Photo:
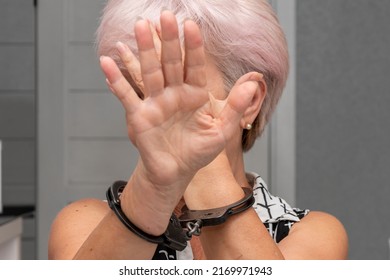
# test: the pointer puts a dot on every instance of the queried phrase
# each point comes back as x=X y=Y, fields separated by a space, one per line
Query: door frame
x=283 y=125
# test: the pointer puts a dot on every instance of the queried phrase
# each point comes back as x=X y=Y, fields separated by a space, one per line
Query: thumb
x=240 y=98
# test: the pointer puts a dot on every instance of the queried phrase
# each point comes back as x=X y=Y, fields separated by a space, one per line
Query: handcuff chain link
x=194 y=228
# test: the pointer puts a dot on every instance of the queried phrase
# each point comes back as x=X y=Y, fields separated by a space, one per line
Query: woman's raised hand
x=174 y=125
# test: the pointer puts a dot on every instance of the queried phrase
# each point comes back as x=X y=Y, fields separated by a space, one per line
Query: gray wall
x=17 y=110
x=17 y=100
x=343 y=131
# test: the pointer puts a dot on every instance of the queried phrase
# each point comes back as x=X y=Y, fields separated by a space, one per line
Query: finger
x=171 y=58
x=156 y=39
x=118 y=84
x=195 y=60
x=132 y=65
x=151 y=71
x=131 y=62
x=238 y=100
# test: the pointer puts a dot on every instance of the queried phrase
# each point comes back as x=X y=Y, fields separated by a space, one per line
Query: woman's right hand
x=174 y=126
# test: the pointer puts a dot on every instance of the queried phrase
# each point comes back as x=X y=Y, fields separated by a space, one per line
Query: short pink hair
x=240 y=36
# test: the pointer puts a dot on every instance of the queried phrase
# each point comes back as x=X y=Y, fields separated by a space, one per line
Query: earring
x=248 y=126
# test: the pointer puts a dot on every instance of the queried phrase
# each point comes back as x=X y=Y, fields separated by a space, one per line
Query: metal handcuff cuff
x=180 y=229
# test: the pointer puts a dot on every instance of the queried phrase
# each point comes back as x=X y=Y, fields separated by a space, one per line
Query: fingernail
x=121 y=47
x=110 y=85
x=256 y=77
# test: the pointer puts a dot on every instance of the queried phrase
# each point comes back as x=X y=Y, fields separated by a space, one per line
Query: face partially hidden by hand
x=239 y=37
x=176 y=95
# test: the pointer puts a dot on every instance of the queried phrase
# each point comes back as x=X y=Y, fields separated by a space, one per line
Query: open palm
x=175 y=126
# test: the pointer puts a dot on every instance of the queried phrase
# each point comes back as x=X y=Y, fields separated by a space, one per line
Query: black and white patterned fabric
x=275 y=213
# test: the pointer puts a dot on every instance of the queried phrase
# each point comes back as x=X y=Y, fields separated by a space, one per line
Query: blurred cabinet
x=10 y=238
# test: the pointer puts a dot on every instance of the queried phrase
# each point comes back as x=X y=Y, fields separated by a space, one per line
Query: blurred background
x=63 y=135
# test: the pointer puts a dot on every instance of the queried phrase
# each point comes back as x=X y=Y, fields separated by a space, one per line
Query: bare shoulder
x=73 y=225
x=317 y=236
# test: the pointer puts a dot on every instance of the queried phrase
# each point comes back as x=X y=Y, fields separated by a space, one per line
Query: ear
x=253 y=110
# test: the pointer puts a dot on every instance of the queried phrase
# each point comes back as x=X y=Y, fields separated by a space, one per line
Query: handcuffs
x=180 y=229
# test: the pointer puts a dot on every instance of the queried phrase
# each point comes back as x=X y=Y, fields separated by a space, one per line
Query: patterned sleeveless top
x=276 y=214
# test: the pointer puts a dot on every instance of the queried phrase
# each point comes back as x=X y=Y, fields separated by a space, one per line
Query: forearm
x=112 y=240
x=146 y=207
x=242 y=236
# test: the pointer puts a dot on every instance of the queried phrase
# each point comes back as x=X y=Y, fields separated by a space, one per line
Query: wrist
x=173 y=237
x=150 y=205
x=213 y=192
x=213 y=186
x=140 y=207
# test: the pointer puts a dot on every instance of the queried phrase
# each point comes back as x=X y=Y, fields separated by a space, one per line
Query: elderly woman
x=198 y=81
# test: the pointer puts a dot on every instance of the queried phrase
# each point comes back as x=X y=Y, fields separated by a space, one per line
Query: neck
x=235 y=157
x=236 y=162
